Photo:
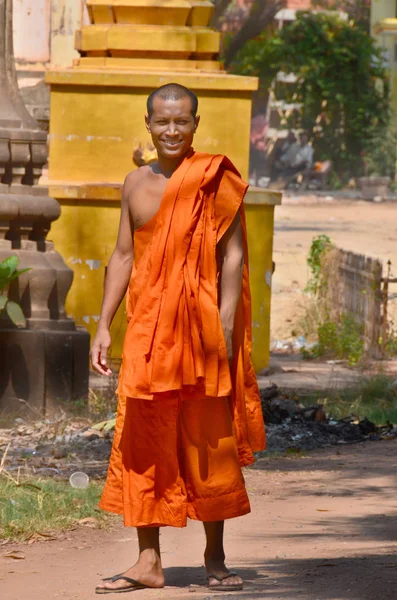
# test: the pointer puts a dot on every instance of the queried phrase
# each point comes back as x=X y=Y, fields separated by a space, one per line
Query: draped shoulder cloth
x=174 y=340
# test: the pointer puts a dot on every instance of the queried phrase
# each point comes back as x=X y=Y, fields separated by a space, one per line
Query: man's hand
x=99 y=351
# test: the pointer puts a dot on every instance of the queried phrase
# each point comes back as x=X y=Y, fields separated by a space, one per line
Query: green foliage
x=43 y=506
x=334 y=181
x=342 y=88
x=320 y=245
x=359 y=10
x=391 y=343
x=373 y=397
x=341 y=340
x=8 y=272
x=379 y=153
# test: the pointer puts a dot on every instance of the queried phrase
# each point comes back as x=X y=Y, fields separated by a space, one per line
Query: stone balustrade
x=47 y=360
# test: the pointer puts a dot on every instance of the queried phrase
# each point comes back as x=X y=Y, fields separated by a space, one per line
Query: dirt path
x=323 y=527
x=362 y=227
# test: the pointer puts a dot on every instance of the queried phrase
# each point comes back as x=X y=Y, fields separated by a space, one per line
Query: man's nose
x=172 y=129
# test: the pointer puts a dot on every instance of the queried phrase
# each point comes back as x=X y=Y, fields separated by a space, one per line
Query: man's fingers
x=99 y=361
x=103 y=354
x=103 y=358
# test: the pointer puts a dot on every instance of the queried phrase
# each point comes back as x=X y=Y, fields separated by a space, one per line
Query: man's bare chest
x=145 y=202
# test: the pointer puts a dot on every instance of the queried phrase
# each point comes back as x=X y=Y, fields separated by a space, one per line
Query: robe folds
x=174 y=349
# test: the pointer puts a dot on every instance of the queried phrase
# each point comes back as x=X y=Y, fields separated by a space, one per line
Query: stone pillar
x=48 y=360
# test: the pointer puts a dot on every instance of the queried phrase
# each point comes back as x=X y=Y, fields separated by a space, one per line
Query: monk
x=189 y=414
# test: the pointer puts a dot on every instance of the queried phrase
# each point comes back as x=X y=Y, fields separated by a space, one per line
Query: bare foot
x=224 y=578
x=147 y=571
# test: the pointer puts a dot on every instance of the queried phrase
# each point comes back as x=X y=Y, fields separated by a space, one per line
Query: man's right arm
x=116 y=281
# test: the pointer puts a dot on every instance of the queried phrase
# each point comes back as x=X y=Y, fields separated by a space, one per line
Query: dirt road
x=323 y=527
x=363 y=227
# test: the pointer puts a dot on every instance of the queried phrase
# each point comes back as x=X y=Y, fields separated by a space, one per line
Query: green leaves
x=15 y=313
x=8 y=272
x=319 y=247
x=342 y=88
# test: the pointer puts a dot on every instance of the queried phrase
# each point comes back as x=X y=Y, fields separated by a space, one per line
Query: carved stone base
x=40 y=369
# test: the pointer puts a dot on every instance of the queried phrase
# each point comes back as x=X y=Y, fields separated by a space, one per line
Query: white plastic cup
x=79 y=480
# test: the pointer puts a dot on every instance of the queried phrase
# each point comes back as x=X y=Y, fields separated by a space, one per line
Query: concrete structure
x=47 y=360
x=384 y=29
x=97 y=110
x=43 y=35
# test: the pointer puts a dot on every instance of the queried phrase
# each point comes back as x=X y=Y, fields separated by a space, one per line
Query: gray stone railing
x=46 y=361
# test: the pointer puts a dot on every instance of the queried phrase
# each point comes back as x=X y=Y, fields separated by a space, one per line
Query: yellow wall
x=260 y=221
x=85 y=234
x=97 y=120
x=94 y=131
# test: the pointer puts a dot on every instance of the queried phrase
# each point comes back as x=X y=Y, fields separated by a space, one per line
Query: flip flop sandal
x=131 y=588
x=236 y=587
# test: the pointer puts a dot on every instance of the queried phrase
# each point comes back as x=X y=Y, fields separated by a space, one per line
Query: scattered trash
x=79 y=480
x=15 y=554
x=54 y=448
x=62 y=447
x=290 y=425
x=105 y=425
x=291 y=344
x=89 y=522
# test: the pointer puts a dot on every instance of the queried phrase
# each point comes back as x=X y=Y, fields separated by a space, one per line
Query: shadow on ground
x=350 y=477
x=365 y=577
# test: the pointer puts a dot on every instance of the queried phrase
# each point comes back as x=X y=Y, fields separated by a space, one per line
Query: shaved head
x=172 y=91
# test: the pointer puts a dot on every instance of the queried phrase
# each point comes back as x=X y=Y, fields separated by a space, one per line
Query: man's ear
x=196 y=122
x=147 y=123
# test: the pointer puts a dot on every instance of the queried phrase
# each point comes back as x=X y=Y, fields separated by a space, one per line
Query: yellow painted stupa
x=97 y=123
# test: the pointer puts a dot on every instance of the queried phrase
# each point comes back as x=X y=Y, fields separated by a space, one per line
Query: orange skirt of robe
x=175 y=376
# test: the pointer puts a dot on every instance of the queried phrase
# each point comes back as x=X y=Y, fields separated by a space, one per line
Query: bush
x=338 y=339
x=341 y=338
x=319 y=246
x=342 y=88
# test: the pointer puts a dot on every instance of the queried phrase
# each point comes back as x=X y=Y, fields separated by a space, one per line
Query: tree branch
x=221 y=7
x=261 y=16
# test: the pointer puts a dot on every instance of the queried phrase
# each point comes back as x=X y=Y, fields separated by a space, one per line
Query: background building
x=43 y=35
x=384 y=29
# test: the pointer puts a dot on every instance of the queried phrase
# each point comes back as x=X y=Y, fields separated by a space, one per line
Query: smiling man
x=189 y=413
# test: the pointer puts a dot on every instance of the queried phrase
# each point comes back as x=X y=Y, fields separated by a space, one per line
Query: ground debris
x=55 y=448
x=15 y=554
x=290 y=425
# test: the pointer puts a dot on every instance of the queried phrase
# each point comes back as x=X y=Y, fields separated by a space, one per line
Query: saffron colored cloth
x=174 y=459
x=175 y=357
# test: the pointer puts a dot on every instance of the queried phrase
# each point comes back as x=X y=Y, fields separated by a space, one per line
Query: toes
x=228 y=581
x=112 y=586
x=232 y=581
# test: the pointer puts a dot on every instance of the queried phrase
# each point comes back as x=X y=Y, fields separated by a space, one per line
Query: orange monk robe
x=175 y=362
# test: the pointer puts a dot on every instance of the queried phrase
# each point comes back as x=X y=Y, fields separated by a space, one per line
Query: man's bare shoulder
x=135 y=179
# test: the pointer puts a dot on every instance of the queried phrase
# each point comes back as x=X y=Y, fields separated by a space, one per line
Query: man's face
x=291 y=137
x=303 y=139
x=172 y=126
